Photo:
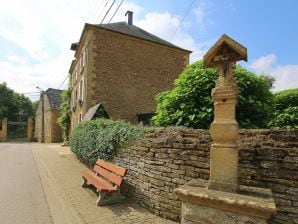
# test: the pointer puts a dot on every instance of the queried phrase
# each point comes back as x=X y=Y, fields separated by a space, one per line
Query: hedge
x=100 y=138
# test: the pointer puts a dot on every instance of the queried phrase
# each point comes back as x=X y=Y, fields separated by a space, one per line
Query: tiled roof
x=96 y=111
x=54 y=96
x=123 y=27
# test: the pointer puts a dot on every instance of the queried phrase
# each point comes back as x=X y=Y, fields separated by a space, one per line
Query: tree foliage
x=14 y=106
x=190 y=104
x=64 y=119
x=100 y=138
x=286 y=109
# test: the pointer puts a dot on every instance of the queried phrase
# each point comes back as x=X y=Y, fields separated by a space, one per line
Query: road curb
x=70 y=212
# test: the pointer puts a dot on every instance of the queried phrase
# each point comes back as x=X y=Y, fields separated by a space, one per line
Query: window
x=83 y=89
x=78 y=67
x=73 y=77
x=76 y=74
x=76 y=95
x=73 y=99
x=145 y=118
x=84 y=58
x=82 y=63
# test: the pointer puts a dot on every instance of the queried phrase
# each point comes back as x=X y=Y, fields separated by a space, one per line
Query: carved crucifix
x=224 y=129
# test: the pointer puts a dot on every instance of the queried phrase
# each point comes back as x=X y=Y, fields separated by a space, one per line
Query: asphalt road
x=22 y=199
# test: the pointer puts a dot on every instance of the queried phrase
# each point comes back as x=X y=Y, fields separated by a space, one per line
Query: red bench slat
x=112 y=167
x=108 y=175
x=98 y=182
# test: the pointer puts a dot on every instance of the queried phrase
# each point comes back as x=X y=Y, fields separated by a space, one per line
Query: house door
x=16 y=130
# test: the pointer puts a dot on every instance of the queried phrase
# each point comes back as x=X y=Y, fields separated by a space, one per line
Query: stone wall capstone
x=170 y=157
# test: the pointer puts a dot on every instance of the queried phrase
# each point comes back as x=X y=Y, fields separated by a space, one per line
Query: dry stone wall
x=169 y=158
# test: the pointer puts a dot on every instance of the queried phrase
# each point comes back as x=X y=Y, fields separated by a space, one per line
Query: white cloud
x=161 y=24
x=165 y=25
x=18 y=59
x=120 y=15
x=286 y=76
x=264 y=63
x=44 y=30
x=201 y=12
x=24 y=78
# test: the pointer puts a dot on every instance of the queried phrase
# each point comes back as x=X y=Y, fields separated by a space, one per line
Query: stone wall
x=169 y=158
x=56 y=130
x=52 y=131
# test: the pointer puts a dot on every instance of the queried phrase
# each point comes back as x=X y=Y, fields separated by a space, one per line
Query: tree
x=286 y=109
x=190 y=104
x=24 y=107
x=14 y=106
x=64 y=119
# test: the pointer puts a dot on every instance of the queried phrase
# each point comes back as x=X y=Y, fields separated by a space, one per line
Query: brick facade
x=123 y=72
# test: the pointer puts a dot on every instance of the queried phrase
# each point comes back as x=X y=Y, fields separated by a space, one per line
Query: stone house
x=47 y=113
x=123 y=68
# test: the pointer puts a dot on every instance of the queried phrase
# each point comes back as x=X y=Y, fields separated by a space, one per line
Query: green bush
x=100 y=138
x=286 y=109
x=190 y=104
x=64 y=118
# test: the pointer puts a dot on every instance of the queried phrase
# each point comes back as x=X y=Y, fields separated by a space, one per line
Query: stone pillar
x=4 y=130
x=30 y=130
x=221 y=200
x=224 y=129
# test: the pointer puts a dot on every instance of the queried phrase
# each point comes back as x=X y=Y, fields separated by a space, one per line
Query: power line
x=101 y=11
x=183 y=19
x=29 y=93
x=93 y=10
x=63 y=81
x=96 y=9
x=116 y=11
x=107 y=12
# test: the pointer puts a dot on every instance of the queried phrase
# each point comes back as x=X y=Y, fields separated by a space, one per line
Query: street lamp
x=42 y=113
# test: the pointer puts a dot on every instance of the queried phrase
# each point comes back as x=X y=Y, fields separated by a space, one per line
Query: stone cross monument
x=224 y=129
x=221 y=199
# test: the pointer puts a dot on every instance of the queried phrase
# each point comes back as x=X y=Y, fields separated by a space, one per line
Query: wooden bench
x=107 y=179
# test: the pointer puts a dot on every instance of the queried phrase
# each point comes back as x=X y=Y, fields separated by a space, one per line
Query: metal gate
x=16 y=130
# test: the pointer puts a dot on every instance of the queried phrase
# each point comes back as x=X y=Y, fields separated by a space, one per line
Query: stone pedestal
x=30 y=129
x=221 y=199
x=224 y=132
x=205 y=206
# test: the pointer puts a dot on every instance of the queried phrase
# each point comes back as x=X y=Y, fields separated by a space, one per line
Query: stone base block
x=196 y=214
x=204 y=206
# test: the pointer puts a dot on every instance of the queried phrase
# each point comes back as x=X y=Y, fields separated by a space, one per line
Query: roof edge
x=98 y=27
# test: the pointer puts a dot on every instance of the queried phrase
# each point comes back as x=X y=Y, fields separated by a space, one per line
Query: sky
x=35 y=35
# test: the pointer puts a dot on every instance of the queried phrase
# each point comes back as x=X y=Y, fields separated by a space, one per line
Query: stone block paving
x=64 y=171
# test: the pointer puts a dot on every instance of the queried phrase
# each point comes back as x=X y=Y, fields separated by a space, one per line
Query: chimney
x=129 y=17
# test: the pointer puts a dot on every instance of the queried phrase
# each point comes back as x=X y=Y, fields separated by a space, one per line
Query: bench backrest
x=110 y=172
